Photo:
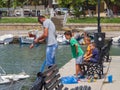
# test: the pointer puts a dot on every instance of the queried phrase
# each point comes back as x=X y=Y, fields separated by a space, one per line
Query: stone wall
x=104 y=27
x=20 y=26
x=29 y=26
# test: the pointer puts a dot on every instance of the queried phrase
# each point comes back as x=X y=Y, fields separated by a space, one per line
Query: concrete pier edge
x=110 y=68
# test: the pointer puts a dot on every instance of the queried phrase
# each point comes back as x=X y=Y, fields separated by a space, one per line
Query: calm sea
x=15 y=59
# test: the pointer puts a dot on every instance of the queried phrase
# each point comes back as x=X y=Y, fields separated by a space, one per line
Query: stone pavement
x=69 y=69
x=25 y=32
x=115 y=72
x=16 y=32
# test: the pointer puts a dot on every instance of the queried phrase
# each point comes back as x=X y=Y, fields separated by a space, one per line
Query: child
x=77 y=52
x=88 y=51
x=95 y=54
x=76 y=35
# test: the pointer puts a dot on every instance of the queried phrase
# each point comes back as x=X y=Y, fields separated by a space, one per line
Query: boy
x=77 y=52
x=95 y=54
x=88 y=51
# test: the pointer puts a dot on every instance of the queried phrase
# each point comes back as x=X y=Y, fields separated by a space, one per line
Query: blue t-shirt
x=95 y=54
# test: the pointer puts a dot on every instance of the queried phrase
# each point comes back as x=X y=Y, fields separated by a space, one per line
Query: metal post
x=99 y=37
x=99 y=27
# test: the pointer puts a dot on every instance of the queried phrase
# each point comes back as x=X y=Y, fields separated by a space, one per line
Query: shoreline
x=59 y=25
x=110 y=68
x=18 y=33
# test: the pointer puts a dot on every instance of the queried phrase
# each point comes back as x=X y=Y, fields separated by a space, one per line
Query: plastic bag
x=69 y=80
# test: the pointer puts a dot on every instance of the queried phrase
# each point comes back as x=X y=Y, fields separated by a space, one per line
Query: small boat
x=32 y=34
x=11 y=80
x=90 y=33
x=16 y=85
x=26 y=40
x=12 y=77
x=62 y=40
x=6 y=39
x=116 y=41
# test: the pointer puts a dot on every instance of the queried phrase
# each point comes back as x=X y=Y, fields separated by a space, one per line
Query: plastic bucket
x=110 y=78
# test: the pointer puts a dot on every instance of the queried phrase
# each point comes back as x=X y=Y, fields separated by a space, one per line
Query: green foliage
x=110 y=3
x=70 y=20
x=93 y=20
x=64 y=3
x=19 y=20
x=76 y=5
x=15 y=3
x=2 y=3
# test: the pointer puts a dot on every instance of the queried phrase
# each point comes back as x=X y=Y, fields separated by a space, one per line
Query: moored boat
x=8 y=81
x=32 y=34
x=62 y=40
x=6 y=39
x=26 y=40
x=116 y=41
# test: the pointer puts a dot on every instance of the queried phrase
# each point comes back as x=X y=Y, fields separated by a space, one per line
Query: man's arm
x=76 y=48
x=41 y=38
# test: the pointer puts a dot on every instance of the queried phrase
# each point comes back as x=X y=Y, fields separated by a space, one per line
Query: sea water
x=15 y=59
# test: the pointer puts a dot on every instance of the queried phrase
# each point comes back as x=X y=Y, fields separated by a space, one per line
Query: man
x=49 y=34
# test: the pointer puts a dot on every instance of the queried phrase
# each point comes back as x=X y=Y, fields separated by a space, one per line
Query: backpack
x=38 y=84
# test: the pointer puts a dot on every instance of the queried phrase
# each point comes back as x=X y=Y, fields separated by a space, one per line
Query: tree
x=110 y=4
x=34 y=3
x=2 y=3
x=78 y=6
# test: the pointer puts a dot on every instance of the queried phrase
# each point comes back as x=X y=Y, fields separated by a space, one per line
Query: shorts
x=50 y=54
x=79 y=60
x=93 y=60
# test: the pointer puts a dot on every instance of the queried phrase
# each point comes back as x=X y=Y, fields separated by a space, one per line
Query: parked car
x=17 y=12
x=27 y=12
x=33 y=12
x=61 y=10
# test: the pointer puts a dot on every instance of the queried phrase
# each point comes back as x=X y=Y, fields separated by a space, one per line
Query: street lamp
x=99 y=36
x=99 y=27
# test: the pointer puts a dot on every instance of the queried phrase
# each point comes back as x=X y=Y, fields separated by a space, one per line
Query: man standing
x=49 y=34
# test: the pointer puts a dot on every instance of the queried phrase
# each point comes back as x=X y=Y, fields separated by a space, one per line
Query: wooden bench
x=107 y=51
x=50 y=80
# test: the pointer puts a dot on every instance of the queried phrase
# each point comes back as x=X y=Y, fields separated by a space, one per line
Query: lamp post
x=99 y=36
x=99 y=27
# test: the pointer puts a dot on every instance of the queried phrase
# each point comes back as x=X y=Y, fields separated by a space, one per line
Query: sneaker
x=81 y=76
x=77 y=78
x=78 y=75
